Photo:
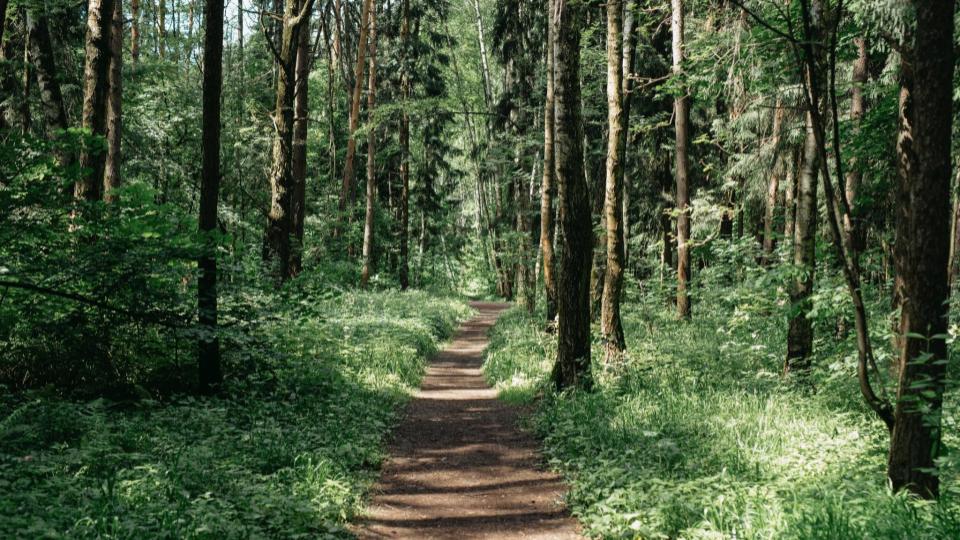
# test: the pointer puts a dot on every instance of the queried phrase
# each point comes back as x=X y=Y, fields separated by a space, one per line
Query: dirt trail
x=460 y=468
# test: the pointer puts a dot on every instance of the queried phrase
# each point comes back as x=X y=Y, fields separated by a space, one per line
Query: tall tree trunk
x=8 y=81
x=922 y=260
x=301 y=112
x=26 y=121
x=111 y=177
x=572 y=368
x=484 y=65
x=682 y=119
x=611 y=327
x=370 y=213
x=800 y=331
x=135 y=32
x=280 y=221
x=858 y=107
x=347 y=190
x=54 y=112
x=630 y=36
x=96 y=86
x=773 y=186
x=405 y=152
x=162 y=29
x=547 y=186
x=210 y=375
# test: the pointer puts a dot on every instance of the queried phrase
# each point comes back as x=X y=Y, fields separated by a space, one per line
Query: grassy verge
x=697 y=435
x=286 y=452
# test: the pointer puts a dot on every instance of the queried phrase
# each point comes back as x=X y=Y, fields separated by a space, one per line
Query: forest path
x=459 y=466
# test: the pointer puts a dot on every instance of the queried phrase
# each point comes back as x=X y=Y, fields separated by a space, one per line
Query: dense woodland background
x=231 y=234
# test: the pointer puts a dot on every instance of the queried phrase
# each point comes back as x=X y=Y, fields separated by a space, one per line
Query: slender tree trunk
x=915 y=443
x=789 y=199
x=111 y=177
x=301 y=112
x=682 y=119
x=347 y=190
x=572 y=368
x=162 y=29
x=484 y=65
x=96 y=86
x=210 y=374
x=773 y=186
x=854 y=178
x=800 y=332
x=135 y=32
x=26 y=121
x=611 y=327
x=630 y=36
x=370 y=213
x=547 y=186
x=405 y=152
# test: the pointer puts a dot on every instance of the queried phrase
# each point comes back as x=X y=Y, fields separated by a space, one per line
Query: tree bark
x=923 y=257
x=572 y=368
x=630 y=36
x=210 y=375
x=135 y=32
x=96 y=86
x=858 y=107
x=347 y=190
x=54 y=112
x=277 y=250
x=682 y=119
x=547 y=186
x=611 y=327
x=111 y=177
x=3 y=17
x=301 y=120
x=800 y=331
x=370 y=212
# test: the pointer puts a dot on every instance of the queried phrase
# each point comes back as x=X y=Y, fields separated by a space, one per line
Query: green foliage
x=284 y=453
x=696 y=434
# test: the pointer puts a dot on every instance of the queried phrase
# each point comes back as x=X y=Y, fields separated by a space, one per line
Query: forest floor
x=460 y=468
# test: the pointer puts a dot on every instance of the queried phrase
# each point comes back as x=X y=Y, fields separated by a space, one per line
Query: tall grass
x=696 y=434
x=286 y=452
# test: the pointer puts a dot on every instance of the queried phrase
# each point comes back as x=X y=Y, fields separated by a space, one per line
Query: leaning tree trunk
x=370 y=212
x=572 y=368
x=347 y=191
x=915 y=443
x=547 y=186
x=209 y=346
x=111 y=176
x=96 y=84
x=682 y=120
x=611 y=327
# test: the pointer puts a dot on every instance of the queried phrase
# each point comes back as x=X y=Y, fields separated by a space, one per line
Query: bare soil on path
x=460 y=468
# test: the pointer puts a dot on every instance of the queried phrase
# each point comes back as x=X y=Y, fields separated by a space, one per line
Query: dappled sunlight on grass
x=698 y=436
x=290 y=450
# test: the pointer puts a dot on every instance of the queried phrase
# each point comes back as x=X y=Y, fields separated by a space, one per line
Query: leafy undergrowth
x=696 y=435
x=286 y=452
